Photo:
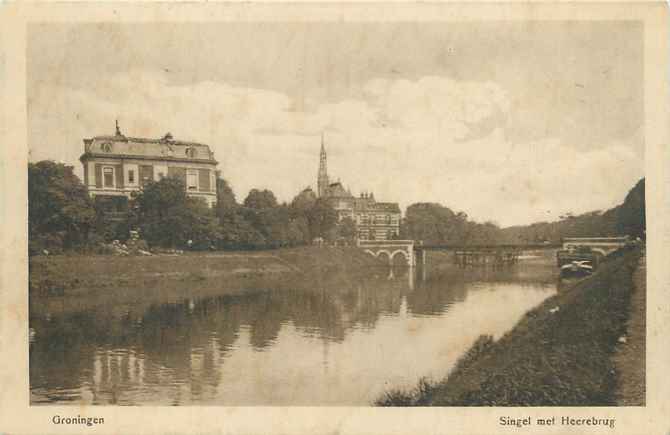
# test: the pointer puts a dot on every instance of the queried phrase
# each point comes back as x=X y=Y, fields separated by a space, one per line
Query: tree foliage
x=434 y=223
x=62 y=216
x=625 y=219
x=60 y=212
x=260 y=199
x=346 y=229
x=631 y=216
x=168 y=217
x=321 y=218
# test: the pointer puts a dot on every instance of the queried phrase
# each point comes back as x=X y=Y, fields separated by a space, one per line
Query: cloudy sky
x=510 y=122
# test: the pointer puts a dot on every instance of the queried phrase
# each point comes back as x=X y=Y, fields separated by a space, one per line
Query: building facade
x=374 y=220
x=117 y=166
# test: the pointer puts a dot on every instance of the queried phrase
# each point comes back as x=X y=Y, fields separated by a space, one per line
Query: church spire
x=322 y=180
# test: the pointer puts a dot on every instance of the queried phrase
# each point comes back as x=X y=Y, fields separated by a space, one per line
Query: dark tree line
x=434 y=223
x=628 y=218
x=261 y=222
x=63 y=217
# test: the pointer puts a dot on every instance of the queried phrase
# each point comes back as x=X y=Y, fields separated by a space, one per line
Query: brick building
x=374 y=220
x=115 y=166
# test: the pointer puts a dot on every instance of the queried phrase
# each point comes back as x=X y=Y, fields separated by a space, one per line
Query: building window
x=131 y=176
x=108 y=176
x=191 y=152
x=192 y=179
x=388 y=219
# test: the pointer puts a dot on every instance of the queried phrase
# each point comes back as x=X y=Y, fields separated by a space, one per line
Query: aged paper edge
x=17 y=417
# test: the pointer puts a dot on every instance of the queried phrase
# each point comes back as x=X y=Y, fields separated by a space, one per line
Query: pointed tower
x=322 y=180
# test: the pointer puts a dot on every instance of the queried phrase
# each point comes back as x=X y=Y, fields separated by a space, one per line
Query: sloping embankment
x=65 y=275
x=560 y=353
x=630 y=357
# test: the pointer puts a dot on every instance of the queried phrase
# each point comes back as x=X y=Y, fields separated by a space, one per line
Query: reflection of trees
x=175 y=349
x=56 y=354
x=115 y=348
x=436 y=294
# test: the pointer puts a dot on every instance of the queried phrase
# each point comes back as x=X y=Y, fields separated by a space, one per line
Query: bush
x=60 y=212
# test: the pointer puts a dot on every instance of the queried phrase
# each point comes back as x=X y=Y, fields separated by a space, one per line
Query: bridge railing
x=596 y=239
x=363 y=243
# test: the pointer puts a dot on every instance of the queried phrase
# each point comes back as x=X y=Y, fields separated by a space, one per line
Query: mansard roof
x=391 y=207
x=370 y=205
x=165 y=148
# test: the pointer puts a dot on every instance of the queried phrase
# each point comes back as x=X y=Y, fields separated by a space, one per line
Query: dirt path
x=629 y=358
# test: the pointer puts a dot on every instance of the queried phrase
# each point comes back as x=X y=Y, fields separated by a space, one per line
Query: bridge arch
x=383 y=254
x=390 y=250
x=403 y=253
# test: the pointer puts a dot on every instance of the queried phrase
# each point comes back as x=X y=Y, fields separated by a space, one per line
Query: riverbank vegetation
x=63 y=218
x=435 y=224
x=560 y=353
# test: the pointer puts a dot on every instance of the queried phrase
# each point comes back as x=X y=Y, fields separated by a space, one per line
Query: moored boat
x=577 y=268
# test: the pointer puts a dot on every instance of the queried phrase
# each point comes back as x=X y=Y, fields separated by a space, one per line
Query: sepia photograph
x=337 y=214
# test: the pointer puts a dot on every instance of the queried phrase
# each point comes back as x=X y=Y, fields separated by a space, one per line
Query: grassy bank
x=630 y=356
x=560 y=353
x=76 y=275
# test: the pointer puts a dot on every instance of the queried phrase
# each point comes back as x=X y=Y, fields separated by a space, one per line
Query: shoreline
x=561 y=353
x=99 y=279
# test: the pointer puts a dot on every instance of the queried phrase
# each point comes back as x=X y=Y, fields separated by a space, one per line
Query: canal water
x=323 y=340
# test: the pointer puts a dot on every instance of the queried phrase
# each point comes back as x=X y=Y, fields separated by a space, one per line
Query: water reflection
x=340 y=339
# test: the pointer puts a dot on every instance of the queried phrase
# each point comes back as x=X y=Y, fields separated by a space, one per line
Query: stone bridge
x=390 y=249
x=410 y=250
x=602 y=245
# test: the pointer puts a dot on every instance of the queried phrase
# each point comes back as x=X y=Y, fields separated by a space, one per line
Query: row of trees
x=260 y=221
x=628 y=218
x=434 y=223
x=62 y=216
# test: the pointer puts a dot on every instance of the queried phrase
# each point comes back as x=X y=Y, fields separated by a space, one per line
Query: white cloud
x=403 y=140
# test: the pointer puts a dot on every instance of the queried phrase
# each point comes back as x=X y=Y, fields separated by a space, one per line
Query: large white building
x=116 y=166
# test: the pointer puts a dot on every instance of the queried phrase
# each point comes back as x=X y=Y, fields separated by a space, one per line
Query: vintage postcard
x=351 y=218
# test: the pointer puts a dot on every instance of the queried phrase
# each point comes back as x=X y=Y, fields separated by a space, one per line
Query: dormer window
x=107 y=147
x=191 y=152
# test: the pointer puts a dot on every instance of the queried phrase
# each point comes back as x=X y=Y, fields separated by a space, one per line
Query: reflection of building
x=116 y=166
x=374 y=220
